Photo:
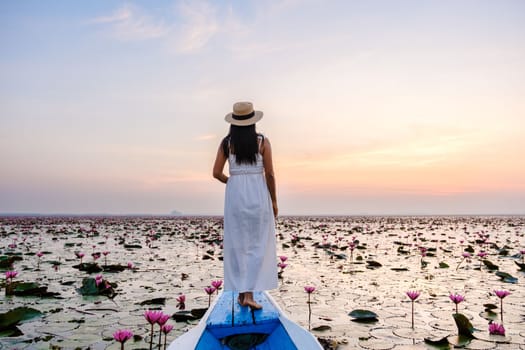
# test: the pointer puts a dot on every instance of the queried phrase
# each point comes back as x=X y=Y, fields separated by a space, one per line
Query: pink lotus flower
x=413 y=295
x=130 y=265
x=456 y=299
x=309 y=289
x=152 y=316
x=9 y=275
x=39 y=254
x=496 y=329
x=482 y=254
x=163 y=319
x=79 y=255
x=501 y=293
x=282 y=265
x=181 y=302
x=166 y=328
x=466 y=255
x=283 y=258
x=105 y=253
x=122 y=335
x=217 y=285
x=98 y=279
x=209 y=291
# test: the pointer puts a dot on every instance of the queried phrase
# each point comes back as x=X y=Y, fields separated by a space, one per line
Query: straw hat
x=243 y=114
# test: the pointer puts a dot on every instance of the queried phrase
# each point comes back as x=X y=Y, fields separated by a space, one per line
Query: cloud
x=199 y=24
x=206 y=137
x=129 y=23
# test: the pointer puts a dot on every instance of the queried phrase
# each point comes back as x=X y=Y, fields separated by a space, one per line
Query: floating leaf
x=506 y=277
x=363 y=315
x=443 y=265
x=520 y=265
x=490 y=265
x=465 y=328
x=441 y=343
x=490 y=306
x=399 y=268
x=155 y=301
x=11 y=318
x=322 y=328
x=373 y=264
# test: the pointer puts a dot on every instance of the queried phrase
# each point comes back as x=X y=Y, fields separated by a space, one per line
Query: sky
x=376 y=107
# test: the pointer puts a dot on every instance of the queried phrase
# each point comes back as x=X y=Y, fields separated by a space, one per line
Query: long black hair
x=242 y=141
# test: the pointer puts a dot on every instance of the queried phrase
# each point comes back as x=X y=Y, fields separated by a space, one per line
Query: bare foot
x=252 y=304
x=248 y=301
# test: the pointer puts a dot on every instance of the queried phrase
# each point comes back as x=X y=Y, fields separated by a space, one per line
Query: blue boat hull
x=227 y=325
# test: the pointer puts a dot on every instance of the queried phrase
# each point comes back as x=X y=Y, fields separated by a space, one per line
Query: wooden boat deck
x=241 y=319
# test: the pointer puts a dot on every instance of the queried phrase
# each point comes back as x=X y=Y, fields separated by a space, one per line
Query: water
x=173 y=264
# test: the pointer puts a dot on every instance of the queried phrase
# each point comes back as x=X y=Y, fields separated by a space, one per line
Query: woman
x=250 y=206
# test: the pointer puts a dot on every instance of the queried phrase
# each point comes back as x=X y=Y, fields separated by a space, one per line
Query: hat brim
x=245 y=122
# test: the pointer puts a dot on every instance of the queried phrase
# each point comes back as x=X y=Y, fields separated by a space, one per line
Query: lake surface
x=179 y=255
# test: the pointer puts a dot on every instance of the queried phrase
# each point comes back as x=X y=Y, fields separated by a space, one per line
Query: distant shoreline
x=59 y=215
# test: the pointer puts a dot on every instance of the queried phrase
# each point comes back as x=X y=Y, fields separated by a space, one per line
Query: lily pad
x=441 y=343
x=360 y=315
x=490 y=265
x=155 y=301
x=505 y=277
x=443 y=265
x=373 y=264
x=88 y=267
x=114 y=268
x=465 y=328
x=89 y=287
x=11 y=318
x=322 y=328
x=30 y=289
x=520 y=265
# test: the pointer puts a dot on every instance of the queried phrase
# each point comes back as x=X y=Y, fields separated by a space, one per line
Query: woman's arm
x=266 y=151
x=218 y=167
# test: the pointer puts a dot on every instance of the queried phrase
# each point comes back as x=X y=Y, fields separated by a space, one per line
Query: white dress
x=250 y=261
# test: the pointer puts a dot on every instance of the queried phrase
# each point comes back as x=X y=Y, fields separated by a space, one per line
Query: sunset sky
x=372 y=107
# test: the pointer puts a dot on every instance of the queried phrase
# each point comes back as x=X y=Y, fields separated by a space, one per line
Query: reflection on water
x=389 y=256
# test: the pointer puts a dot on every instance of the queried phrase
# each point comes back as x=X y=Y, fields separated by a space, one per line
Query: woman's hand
x=275 y=209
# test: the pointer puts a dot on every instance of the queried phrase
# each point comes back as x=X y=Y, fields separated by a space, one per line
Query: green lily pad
x=89 y=287
x=20 y=288
x=11 y=318
x=363 y=315
x=490 y=265
x=465 y=328
x=322 y=328
x=441 y=343
x=506 y=277
x=373 y=264
x=520 y=265
x=155 y=301
x=443 y=265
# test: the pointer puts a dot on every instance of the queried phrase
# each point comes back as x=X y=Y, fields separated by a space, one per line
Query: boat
x=228 y=326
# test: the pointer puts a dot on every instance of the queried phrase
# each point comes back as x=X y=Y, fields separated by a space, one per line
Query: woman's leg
x=241 y=299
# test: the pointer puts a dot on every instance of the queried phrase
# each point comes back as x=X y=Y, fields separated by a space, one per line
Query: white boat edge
x=302 y=338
